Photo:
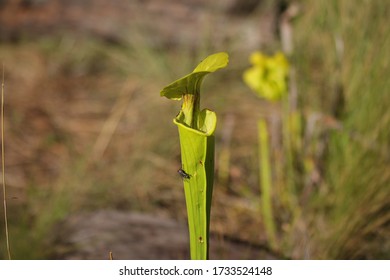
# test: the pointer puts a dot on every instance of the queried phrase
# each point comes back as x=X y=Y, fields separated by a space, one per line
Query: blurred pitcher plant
x=268 y=79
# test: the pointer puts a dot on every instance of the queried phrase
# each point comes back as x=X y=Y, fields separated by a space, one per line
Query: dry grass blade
x=112 y=121
x=3 y=169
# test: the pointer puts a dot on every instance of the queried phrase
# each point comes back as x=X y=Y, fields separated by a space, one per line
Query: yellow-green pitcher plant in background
x=196 y=133
x=268 y=78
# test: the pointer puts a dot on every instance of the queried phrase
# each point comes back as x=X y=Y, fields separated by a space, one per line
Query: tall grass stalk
x=3 y=170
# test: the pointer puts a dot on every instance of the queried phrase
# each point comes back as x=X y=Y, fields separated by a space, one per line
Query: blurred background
x=92 y=154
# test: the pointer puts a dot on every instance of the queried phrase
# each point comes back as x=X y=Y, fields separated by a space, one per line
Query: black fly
x=183 y=174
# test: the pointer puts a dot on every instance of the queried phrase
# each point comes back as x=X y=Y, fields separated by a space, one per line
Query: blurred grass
x=343 y=63
x=363 y=206
x=61 y=90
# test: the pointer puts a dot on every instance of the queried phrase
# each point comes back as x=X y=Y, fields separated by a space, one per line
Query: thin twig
x=3 y=169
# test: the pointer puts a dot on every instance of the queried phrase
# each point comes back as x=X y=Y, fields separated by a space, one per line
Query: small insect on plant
x=183 y=174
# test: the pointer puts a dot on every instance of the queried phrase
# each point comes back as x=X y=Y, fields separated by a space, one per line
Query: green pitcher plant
x=196 y=132
x=268 y=78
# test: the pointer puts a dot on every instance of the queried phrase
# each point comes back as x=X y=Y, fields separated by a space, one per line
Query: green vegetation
x=265 y=183
x=83 y=132
x=268 y=79
x=343 y=63
x=197 y=142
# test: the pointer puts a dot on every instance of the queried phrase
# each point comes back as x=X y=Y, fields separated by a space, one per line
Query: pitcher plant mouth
x=197 y=144
x=206 y=122
x=188 y=87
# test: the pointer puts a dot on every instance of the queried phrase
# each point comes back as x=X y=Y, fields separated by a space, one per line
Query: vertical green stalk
x=196 y=131
x=265 y=182
x=289 y=158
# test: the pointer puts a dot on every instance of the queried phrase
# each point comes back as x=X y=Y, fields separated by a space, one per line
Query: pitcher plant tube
x=196 y=132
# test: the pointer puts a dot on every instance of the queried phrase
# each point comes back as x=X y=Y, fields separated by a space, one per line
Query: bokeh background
x=92 y=153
